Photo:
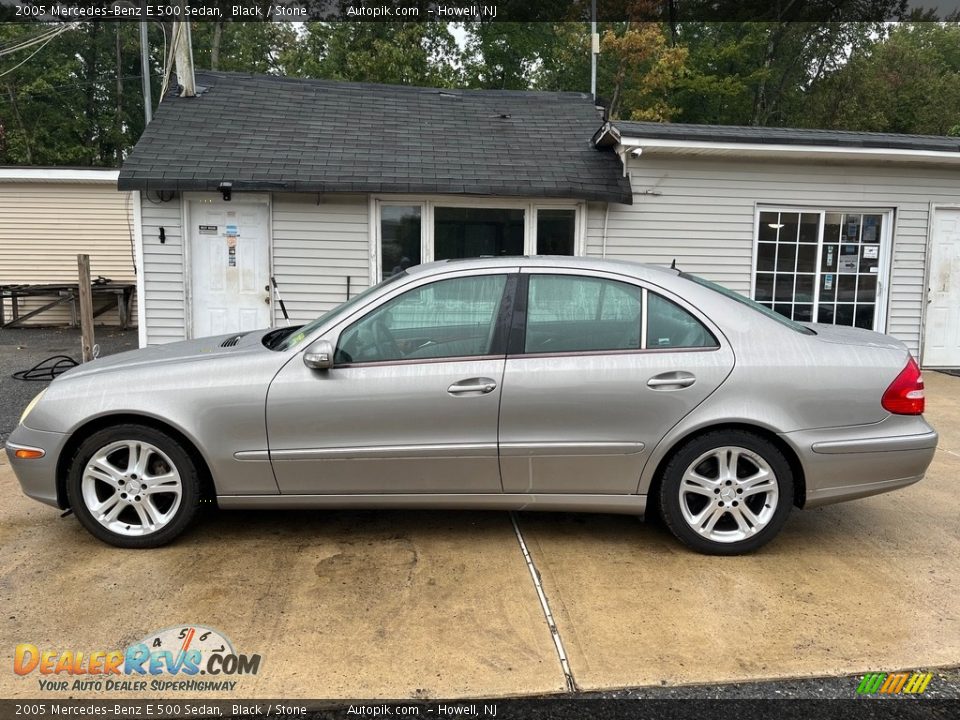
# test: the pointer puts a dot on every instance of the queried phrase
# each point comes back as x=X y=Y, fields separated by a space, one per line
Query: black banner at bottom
x=496 y=709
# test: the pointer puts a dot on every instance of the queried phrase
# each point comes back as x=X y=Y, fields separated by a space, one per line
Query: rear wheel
x=133 y=486
x=726 y=492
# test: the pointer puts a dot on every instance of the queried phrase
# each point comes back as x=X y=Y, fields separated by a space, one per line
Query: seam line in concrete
x=545 y=606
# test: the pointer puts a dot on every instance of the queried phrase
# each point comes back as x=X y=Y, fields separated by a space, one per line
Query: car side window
x=447 y=318
x=670 y=326
x=572 y=313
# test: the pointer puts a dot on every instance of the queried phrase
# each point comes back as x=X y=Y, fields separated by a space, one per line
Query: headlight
x=32 y=405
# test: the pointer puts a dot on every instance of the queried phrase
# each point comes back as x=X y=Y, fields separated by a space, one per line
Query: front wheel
x=726 y=492
x=133 y=486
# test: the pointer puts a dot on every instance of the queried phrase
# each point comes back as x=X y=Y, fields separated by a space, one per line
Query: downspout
x=606 y=218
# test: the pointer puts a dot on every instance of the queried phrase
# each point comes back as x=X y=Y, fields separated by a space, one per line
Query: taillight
x=905 y=394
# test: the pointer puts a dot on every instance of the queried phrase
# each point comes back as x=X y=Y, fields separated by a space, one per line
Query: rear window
x=795 y=326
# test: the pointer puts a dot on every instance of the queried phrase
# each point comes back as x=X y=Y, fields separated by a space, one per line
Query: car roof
x=639 y=270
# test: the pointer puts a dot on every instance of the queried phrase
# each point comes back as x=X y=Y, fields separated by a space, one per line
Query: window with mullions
x=820 y=266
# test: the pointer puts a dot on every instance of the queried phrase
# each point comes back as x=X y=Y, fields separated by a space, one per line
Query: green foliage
x=393 y=53
x=908 y=82
x=77 y=100
x=63 y=106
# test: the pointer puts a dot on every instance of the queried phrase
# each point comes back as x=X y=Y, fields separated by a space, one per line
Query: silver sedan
x=511 y=383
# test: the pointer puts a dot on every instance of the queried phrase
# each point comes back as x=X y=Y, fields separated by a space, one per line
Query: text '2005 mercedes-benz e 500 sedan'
x=513 y=383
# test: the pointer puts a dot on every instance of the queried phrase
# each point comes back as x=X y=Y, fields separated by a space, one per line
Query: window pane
x=555 y=232
x=803 y=313
x=764 y=286
x=804 y=291
x=871 y=228
x=399 y=238
x=832 y=227
x=791 y=225
x=809 y=227
x=847 y=288
x=828 y=288
x=851 y=228
x=449 y=318
x=807 y=258
x=786 y=258
x=864 y=317
x=472 y=232
x=784 y=287
x=575 y=314
x=844 y=315
x=867 y=288
x=829 y=262
x=849 y=258
x=767 y=229
x=670 y=326
x=766 y=254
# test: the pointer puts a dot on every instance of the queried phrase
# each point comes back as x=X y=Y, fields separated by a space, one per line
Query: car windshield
x=750 y=304
x=298 y=335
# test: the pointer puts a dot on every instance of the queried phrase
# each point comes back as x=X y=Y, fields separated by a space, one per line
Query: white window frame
x=883 y=263
x=428 y=203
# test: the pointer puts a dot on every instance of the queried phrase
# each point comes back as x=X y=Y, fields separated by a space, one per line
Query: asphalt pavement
x=333 y=599
x=22 y=348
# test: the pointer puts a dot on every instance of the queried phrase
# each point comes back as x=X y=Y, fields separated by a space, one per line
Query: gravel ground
x=22 y=348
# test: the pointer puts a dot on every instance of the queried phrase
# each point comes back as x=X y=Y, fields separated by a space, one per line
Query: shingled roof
x=786 y=136
x=263 y=132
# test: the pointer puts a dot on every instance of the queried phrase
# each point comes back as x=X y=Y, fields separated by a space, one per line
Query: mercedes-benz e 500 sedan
x=513 y=383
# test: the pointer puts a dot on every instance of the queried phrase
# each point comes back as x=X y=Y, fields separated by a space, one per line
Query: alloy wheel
x=131 y=488
x=728 y=494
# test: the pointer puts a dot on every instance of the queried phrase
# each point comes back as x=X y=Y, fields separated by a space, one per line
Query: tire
x=133 y=486
x=726 y=492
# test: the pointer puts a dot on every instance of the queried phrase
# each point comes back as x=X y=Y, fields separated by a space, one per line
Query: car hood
x=207 y=348
x=843 y=335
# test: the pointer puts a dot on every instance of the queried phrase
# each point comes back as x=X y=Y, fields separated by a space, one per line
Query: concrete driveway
x=418 y=604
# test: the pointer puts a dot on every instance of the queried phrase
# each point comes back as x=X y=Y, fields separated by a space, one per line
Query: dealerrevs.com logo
x=184 y=658
x=905 y=683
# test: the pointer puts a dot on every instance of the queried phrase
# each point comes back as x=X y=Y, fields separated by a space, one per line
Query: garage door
x=942 y=342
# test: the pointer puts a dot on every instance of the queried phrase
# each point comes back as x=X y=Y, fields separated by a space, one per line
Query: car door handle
x=671 y=381
x=473 y=386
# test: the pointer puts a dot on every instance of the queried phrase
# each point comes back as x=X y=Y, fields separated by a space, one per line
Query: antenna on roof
x=673 y=264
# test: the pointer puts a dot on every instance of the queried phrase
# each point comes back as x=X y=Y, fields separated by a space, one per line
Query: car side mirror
x=319 y=356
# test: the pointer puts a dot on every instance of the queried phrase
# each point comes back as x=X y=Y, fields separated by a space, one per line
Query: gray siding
x=316 y=247
x=701 y=212
x=163 y=271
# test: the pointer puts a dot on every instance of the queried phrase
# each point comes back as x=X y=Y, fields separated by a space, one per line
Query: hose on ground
x=48 y=369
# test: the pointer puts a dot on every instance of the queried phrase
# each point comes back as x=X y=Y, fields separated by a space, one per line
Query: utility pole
x=594 y=49
x=145 y=73
x=184 y=58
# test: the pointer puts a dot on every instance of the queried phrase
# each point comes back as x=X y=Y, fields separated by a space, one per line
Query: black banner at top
x=673 y=11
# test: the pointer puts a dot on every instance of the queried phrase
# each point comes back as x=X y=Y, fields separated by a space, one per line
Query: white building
x=328 y=187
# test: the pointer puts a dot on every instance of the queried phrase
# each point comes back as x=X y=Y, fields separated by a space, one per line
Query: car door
x=411 y=403
x=598 y=369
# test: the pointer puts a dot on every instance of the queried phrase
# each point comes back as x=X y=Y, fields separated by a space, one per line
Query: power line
x=17 y=45
x=76 y=85
x=31 y=55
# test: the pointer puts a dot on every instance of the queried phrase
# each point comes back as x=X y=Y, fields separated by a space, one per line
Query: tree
x=77 y=101
x=908 y=82
x=395 y=53
x=758 y=73
x=256 y=47
x=639 y=67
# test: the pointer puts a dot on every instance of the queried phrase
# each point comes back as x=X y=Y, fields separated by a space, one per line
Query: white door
x=230 y=266
x=942 y=342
